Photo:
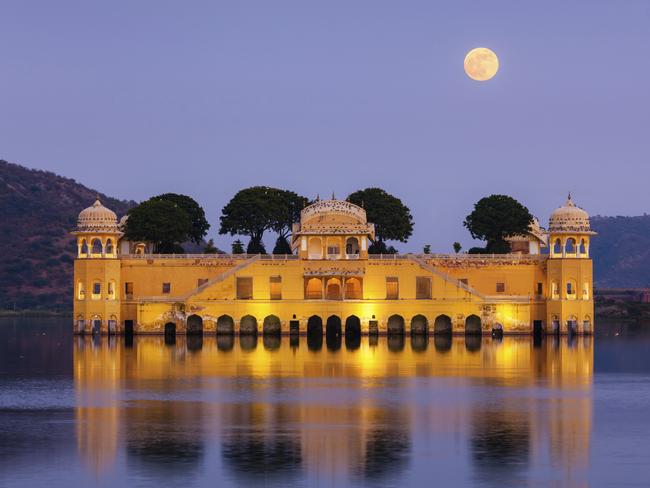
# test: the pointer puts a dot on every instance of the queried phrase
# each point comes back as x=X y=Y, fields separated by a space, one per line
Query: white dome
x=97 y=218
x=569 y=218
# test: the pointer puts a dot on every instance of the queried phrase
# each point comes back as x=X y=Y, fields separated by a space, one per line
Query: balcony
x=352 y=256
x=333 y=256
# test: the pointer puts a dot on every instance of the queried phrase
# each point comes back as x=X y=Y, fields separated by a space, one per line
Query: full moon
x=481 y=64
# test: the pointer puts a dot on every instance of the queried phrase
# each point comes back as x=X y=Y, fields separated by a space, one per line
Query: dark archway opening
x=395 y=325
x=248 y=325
x=395 y=342
x=315 y=341
x=419 y=342
x=271 y=341
x=315 y=326
x=170 y=333
x=271 y=325
x=128 y=328
x=442 y=325
x=194 y=325
x=473 y=342
x=225 y=325
x=248 y=342
x=473 y=325
x=442 y=342
x=194 y=342
x=225 y=342
x=419 y=325
x=333 y=333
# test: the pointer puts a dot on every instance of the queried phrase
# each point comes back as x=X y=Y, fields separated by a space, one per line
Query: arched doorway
x=419 y=325
x=248 y=325
x=473 y=325
x=333 y=289
x=271 y=325
x=333 y=326
x=225 y=325
x=353 y=290
x=315 y=326
x=395 y=325
x=170 y=329
x=314 y=289
x=442 y=325
x=352 y=325
x=194 y=325
x=315 y=248
x=352 y=248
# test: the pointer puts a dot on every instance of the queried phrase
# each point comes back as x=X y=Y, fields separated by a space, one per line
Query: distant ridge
x=38 y=209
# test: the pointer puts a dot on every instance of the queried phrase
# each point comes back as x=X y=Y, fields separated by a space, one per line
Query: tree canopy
x=194 y=211
x=253 y=211
x=496 y=218
x=392 y=219
x=161 y=222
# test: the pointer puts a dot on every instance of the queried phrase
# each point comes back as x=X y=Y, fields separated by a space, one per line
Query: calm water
x=78 y=411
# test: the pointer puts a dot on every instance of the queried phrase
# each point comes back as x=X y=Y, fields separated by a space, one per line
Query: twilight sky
x=137 y=98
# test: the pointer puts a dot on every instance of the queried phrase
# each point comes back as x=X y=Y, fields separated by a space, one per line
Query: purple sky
x=136 y=98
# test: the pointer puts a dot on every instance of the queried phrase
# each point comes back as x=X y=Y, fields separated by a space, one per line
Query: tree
x=392 y=219
x=194 y=211
x=494 y=219
x=287 y=207
x=457 y=247
x=282 y=246
x=237 y=247
x=210 y=248
x=160 y=222
x=255 y=247
x=427 y=249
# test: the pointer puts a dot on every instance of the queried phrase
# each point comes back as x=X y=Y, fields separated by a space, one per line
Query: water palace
x=332 y=285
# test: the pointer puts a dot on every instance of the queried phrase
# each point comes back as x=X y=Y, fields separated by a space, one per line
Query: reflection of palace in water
x=332 y=284
x=331 y=410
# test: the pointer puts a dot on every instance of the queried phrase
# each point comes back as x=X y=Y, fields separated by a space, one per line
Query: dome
x=97 y=218
x=569 y=218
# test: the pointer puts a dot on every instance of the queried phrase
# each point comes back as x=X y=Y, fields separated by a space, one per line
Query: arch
x=572 y=325
x=570 y=246
x=352 y=326
x=110 y=291
x=333 y=326
x=473 y=325
x=109 y=246
x=333 y=289
x=315 y=248
x=442 y=342
x=419 y=325
x=170 y=329
x=225 y=325
x=555 y=290
x=395 y=325
x=112 y=324
x=315 y=326
x=583 y=246
x=96 y=292
x=586 y=325
x=352 y=341
x=96 y=324
x=96 y=246
x=315 y=341
x=353 y=289
x=585 y=290
x=85 y=251
x=333 y=247
x=333 y=341
x=80 y=325
x=194 y=325
x=248 y=325
x=442 y=325
x=557 y=246
x=81 y=291
x=314 y=289
x=271 y=325
x=352 y=247
x=571 y=291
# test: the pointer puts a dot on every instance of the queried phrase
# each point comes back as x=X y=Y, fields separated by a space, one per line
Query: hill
x=621 y=251
x=38 y=210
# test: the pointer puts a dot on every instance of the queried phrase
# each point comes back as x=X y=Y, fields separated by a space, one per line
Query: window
x=244 y=288
x=332 y=249
x=109 y=247
x=585 y=291
x=275 y=285
x=422 y=287
x=97 y=290
x=570 y=289
x=555 y=293
x=81 y=292
x=501 y=287
x=540 y=289
x=111 y=290
x=313 y=288
x=202 y=281
x=166 y=288
x=392 y=288
x=96 y=246
x=128 y=289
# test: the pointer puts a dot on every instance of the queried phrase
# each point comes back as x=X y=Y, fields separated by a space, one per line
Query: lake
x=78 y=411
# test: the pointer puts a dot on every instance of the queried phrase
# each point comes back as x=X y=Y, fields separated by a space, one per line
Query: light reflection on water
x=242 y=411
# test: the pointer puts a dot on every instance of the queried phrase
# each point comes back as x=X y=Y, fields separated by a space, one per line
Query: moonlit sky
x=137 y=98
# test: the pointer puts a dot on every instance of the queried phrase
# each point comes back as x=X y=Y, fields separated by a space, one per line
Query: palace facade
x=332 y=284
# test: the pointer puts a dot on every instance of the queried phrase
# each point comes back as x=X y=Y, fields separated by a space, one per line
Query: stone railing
x=269 y=257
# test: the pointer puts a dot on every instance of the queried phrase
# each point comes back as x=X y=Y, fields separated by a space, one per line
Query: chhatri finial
x=333 y=196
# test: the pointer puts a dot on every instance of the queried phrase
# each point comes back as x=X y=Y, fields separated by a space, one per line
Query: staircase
x=221 y=277
x=432 y=269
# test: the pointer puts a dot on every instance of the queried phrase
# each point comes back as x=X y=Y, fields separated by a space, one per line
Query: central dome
x=97 y=218
x=569 y=218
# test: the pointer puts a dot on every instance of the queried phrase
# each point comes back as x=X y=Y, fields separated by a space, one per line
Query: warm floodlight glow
x=481 y=64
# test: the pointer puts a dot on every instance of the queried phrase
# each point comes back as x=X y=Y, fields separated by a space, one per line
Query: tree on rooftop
x=494 y=219
x=392 y=219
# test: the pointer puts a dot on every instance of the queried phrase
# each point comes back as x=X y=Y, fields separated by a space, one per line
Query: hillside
x=621 y=251
x=38 y=210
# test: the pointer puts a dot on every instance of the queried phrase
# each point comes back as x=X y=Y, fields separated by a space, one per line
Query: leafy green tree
x=200 y=225
x=237 y=247
x=287 y=206
x=160 y=222
x=392 y=219
x=282 y=246
x=457 y=247
x=255 y=247
x=427 y=249
x=494 y=219
x=210 y=248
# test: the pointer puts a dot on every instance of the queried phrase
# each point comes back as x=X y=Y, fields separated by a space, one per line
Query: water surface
x=359 y=412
